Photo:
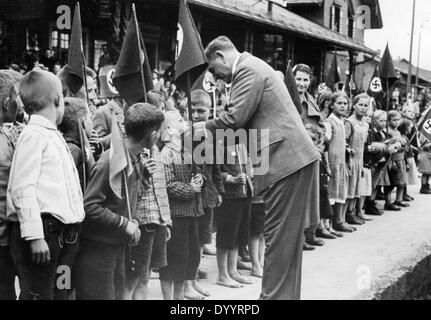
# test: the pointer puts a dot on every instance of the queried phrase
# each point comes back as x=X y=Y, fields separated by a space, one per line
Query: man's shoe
x=391 y=207
x=325 y=234
x=342 y=227
x=351 y=219
x=425 y=190
x=315 y=242
x=401 y=204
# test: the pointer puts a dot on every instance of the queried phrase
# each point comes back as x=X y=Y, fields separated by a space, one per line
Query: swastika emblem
x=376 y=85
x=110 y=81
x=427 y=126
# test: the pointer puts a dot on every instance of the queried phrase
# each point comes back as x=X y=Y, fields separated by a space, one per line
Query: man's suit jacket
x=260 y=100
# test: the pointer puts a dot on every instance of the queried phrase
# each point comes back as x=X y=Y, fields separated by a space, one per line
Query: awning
x=283 y=19
x=402 y=66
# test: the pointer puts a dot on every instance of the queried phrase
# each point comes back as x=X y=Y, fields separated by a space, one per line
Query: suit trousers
x=287 y=204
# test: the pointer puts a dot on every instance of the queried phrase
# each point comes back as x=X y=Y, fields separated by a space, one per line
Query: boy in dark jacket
x=100 y=265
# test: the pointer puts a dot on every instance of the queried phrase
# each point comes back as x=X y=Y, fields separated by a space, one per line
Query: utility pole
x=409 y=78
x=419 y=54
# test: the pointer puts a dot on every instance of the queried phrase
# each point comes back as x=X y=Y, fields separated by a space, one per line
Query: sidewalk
x=354 y=267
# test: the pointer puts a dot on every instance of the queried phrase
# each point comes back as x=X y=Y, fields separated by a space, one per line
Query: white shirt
x=43 y=179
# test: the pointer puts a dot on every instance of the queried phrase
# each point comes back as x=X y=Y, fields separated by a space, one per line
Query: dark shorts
x=150 y=252
x=183 y=251
x=205 y=227
x=233 y=223
x=257 y=221
x=7 y=275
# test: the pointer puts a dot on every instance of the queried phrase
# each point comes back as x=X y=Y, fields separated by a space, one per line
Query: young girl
x=356 y=137
x=396 y=166
x=337 y=160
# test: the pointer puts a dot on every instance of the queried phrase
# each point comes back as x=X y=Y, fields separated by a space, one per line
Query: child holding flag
x=110 y=203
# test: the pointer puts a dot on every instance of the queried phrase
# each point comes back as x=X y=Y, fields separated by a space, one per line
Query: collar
x=336 y=119
x=173 y=147
x=41 y=121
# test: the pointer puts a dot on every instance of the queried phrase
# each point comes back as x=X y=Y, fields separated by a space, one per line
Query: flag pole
x=138 y=32
x=189 y=109
x=214 y=102
x=81 y=132
x=387 y=104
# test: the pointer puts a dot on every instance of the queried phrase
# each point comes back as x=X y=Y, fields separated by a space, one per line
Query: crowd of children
x=70 y=229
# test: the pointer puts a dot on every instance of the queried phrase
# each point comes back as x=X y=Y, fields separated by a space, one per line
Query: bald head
x=39 y=90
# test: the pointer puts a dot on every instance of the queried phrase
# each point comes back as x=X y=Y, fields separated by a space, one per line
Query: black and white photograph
x=226 y=152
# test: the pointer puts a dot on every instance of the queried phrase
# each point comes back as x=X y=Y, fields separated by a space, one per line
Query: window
x=336 y=19
x=64 y=41
x=54 y=39
x=352 y=27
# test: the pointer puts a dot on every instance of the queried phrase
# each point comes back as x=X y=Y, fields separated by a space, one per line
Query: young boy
x=201 y=110
x=185 y=201
x=44 y=197
x=233 y=218
x=100 y=270
x=154 y=218
x=8 y=110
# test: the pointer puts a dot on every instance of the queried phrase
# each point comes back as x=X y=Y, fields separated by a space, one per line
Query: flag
x=289 y=80
x=190 y=56
x=107 y=88
x=76 y=62
x=424 y=125
x=132 y=77
x=387 y=69
x=333 y=76
x=375 y=89
x=205 y=82
x=119 y=159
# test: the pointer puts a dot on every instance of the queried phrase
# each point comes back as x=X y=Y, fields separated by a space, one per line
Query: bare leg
x=179 y=290
x=167 y=289
x=400 y=194
x=339 y=212
x=141 y=291
x=232 y=260
x=190 y=293
x=359 y=205
x=254 y=245
x=223 y=276
x=388 y=192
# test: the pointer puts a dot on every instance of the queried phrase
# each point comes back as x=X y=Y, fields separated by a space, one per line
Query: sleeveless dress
x=337 y=161
x=357 y=140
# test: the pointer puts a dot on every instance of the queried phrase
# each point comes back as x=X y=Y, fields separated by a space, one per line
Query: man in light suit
x=260 y=100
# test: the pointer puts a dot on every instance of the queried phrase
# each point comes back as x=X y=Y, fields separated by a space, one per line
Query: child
x=326 y=212
x=337 y=160
x=396 y=166
x=425 y=162
x=405 y=129
x=356 y=135
x=376 y=157
x=154 y=218
x=107 y=232
x=42 y=167
x=8 y=109
x=409 y=117
x=201 y=110
x=185 y=201
x=76 y=115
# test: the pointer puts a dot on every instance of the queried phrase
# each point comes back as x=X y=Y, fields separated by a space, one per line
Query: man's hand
x=239 y=179
x=196 y=188
x=150 y=165
x=40 y=251
x=133 y=232
x=168 y=234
